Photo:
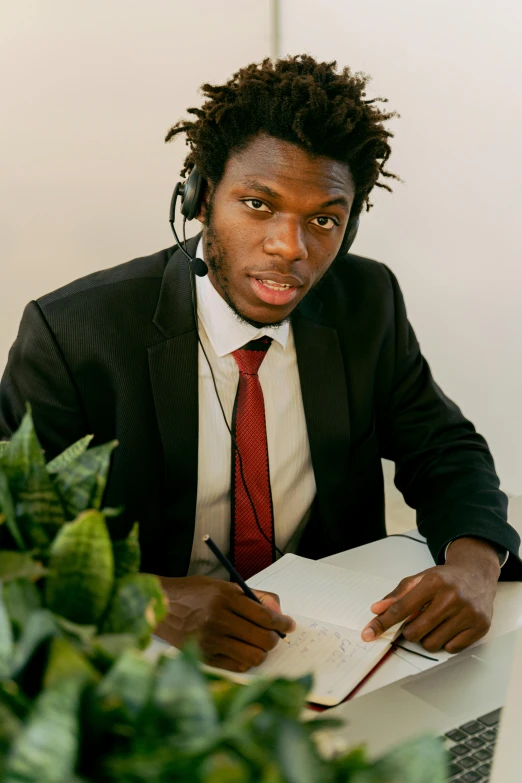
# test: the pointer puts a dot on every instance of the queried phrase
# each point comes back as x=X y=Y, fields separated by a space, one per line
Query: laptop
x=474 y=701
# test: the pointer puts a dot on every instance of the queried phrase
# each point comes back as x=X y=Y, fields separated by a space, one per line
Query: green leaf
x=21 y=599
x=38 y=509
x=19 y=565
x=126 y=688
x=82 y=633
x=107 y=647
x=46 y=749
x=24 y=449
x=297 y=756
x=82 y=570
x=64 y=459
x=137 y=606
x=66 y=661
x=6 y=639
x=421 y=760
x=81 y=483
x=182 y=696
x=7 y=509
x=127 y=553
x=4 y=445
x=40 y=627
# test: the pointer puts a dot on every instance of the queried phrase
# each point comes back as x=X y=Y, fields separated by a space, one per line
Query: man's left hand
x=448 y=606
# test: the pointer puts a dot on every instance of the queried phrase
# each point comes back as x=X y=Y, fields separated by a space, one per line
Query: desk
x=395 y=558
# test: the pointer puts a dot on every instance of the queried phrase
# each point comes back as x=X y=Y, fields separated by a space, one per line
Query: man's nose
x=287 y=239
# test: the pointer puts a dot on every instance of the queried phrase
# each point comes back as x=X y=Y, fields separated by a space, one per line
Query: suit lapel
x=325 y=397
x=173 y=365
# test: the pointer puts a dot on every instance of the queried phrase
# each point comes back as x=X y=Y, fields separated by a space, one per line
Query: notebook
x=331 y=606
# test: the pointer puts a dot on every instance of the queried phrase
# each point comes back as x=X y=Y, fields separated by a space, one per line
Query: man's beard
x=216 y=258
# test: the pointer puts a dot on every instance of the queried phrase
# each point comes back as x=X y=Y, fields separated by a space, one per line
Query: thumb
x=404 y=586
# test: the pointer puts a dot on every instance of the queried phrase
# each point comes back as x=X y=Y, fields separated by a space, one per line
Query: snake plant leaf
x=421 y=760
x=40 y=627
x=46 y=749
x=81 y=483
x=7 y=510
x=126 y=688
x=23 y=450
x=66 y=661
x=81 y=566
x=127 y=555
x=137 y=606
x=21 y=598
x=80 y=633
x=19 y=565
x=225 y=767
x=64 y=459
x=6 y=639
x=181 y=696
x=107 y=648
x=37 y=506
x=298 y=759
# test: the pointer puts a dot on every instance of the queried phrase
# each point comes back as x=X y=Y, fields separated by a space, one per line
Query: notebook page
x=336 y=656
x=326 y=592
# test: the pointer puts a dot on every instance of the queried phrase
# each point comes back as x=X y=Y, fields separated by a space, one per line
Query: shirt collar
x=223 y=328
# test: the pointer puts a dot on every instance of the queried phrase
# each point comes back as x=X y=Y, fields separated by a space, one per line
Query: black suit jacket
x=116 y=354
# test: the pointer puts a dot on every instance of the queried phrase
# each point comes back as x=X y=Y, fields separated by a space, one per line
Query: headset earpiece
x=191 y=195
x=351 y=233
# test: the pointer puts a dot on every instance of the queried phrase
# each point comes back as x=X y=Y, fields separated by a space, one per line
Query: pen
x=225 y=562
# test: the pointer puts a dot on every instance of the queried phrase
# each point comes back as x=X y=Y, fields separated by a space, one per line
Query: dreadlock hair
x=299 y=100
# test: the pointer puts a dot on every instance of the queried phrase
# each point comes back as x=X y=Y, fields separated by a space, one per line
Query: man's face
x=273 y=225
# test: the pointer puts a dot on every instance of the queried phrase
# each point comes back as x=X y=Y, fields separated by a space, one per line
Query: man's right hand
x=232 y=631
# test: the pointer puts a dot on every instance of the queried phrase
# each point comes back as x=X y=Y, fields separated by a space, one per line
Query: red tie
x=250 y=550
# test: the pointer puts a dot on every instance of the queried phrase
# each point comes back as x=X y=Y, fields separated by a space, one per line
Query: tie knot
x=250 y=356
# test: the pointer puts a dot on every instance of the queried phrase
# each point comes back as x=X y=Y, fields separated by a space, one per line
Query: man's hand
x=448 y=606
x=233 y=631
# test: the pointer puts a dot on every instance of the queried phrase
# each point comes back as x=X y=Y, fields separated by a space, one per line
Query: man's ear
x=206 y=191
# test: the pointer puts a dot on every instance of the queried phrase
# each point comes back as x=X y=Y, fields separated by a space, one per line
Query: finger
x=412 y=602
x=261 y=615
x=404 y=586
x=435 y=635
x=244 y=654
x=224 y=662
x=236 y=627
x=433 y=617
x=461 y=641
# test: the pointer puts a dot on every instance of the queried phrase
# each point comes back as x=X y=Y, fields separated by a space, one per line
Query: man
x=289 y=152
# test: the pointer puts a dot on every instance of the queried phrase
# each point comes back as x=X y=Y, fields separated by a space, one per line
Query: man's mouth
x=273 y=292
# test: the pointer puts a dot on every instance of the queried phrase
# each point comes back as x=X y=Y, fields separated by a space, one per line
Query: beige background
x=452 y=233
x=89 y=91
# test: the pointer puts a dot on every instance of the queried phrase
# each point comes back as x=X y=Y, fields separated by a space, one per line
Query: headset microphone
x=190 y=195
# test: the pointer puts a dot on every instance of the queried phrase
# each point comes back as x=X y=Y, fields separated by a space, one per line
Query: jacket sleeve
x=444 y=468
x=37 y=372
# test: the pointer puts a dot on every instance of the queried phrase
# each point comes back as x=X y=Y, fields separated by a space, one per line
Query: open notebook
x=331 y=606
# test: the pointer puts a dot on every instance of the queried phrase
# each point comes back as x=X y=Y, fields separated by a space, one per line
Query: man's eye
x=325 y=223
x=256 y=204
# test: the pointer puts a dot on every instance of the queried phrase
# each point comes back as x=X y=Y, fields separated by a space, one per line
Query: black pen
x=225 y=562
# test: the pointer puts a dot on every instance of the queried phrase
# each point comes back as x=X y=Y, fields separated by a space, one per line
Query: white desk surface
x=396 y=558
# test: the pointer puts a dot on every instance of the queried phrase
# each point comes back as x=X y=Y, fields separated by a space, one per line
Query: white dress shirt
x=291 y=475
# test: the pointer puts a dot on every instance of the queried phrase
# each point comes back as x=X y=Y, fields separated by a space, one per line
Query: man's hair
x=298 y=100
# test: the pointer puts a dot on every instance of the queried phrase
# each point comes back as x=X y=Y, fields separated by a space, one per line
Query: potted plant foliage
x=80 y=701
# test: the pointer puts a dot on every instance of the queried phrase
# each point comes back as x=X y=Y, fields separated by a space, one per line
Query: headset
x=190 y=193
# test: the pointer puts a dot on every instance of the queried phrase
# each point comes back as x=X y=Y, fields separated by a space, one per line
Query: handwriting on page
x=328 y=592
x=332 y=653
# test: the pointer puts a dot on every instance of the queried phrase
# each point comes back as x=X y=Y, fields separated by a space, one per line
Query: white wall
x=452 y=233
x=88 y=94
